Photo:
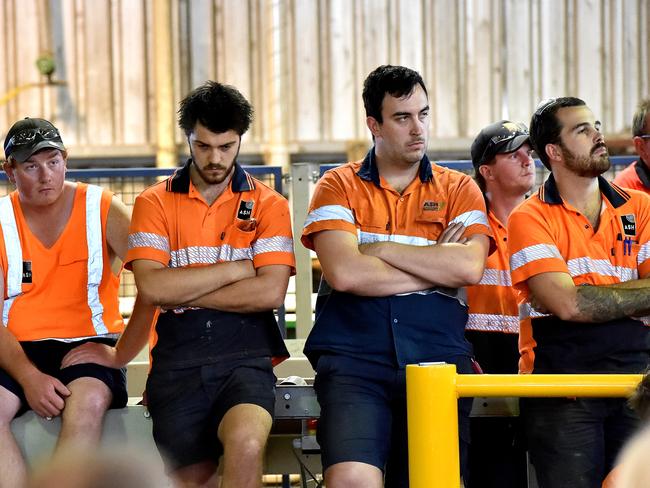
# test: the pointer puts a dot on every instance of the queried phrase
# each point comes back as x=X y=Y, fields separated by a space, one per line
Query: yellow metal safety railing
x=432 y=392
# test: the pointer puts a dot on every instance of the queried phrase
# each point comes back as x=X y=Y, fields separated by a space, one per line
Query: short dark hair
x=397 y=81
x=640 y=399
x=218 y=107
x=544 y=126
x=640 y=116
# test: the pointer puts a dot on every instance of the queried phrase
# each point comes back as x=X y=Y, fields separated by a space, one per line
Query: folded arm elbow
x=569 y=314
x=341 y=281
x=472 y=274
x=468 y=274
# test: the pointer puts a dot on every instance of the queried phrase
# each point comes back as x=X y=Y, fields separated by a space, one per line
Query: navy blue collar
x=369 y=171
x=179 y=182
x=549 y=193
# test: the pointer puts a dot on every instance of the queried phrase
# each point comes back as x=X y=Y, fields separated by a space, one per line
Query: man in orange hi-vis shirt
x=505 y=172
x=637 y=174
x=212 y=247
x=580 y=261
x=397 y=238
x=61 y=251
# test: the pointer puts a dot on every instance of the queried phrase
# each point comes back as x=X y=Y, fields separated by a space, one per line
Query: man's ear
x=373 y=125
x=553 y=152
x=486 y=171
x=9 y=169
x=641 y=148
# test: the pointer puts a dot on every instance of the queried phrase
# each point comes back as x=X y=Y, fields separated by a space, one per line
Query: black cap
x=28 y=136
x=499 y=138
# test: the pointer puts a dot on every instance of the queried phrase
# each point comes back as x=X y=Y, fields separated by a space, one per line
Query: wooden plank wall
x=302 y=64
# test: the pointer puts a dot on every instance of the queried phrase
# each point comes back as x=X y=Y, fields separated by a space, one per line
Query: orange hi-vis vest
x=67 y=291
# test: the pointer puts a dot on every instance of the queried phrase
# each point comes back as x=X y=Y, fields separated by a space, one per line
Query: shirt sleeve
x=330 y=209
x=467 y=205
x=148 y=233
x=273 y=243
x=532 y=249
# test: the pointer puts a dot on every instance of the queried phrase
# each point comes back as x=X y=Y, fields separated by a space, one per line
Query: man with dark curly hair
x=212 y=248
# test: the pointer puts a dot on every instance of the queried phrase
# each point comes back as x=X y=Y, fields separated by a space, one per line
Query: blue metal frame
x=466 y=165
x=73 y=174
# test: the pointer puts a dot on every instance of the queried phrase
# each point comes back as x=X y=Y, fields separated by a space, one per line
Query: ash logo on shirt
x=245 y=210
x=629 y=224
x=433 y=206
x=27 y=271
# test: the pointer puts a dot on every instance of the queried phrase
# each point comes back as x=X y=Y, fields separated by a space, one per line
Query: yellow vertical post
x=432 y=409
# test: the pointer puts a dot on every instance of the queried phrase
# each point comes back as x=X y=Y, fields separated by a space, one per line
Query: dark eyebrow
x=199 y=141
x=401 y=114
x=580 y=126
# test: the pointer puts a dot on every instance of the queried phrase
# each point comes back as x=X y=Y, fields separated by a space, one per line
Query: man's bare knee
x=9 y=406
x=353 y=475
x=248 y=448
x=89 y=397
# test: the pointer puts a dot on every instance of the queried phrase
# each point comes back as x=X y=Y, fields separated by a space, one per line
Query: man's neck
x=398 y=174
x=47 y=222
x=583 y=193
x=502 y=204
x=209 y=191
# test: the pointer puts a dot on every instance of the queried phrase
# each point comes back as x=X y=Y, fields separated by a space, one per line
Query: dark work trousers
x=573 y=443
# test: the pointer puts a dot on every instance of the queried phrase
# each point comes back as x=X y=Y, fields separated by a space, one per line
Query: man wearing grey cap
x=61 y=251
x=505 y=172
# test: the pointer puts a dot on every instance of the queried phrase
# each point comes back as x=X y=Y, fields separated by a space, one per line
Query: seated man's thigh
x=47 y=356
x=249 y=381
x=114 y=379
x=181 y=413
x=356 y=419
x=566 y=441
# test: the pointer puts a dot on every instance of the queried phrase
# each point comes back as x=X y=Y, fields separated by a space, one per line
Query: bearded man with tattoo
x=580 y=261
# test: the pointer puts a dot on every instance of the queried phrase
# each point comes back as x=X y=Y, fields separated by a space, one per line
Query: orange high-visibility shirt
x=493 y=303
x=546 y=234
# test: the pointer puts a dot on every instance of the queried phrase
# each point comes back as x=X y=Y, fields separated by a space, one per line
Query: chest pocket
x=238 y=242
x=372 y=223
x=430 y=224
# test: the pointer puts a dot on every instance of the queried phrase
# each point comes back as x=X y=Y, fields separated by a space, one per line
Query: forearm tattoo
x=600 y=304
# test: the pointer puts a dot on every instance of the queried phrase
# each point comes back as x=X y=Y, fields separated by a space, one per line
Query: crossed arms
x=234 y=286
x=389 y=268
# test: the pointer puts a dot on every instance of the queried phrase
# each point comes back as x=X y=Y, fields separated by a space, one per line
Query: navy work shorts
x=187 y=405
x=47 y=356
x=363 y=415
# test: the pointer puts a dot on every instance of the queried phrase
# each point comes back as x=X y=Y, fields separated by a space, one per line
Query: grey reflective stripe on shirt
x=492 y=322
x=14 y=255
x=470 y=218
x=272 y=244
x=329 y=212
x=95 y=256
x=533 y=253
x=644 y=253
x=495 y=277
